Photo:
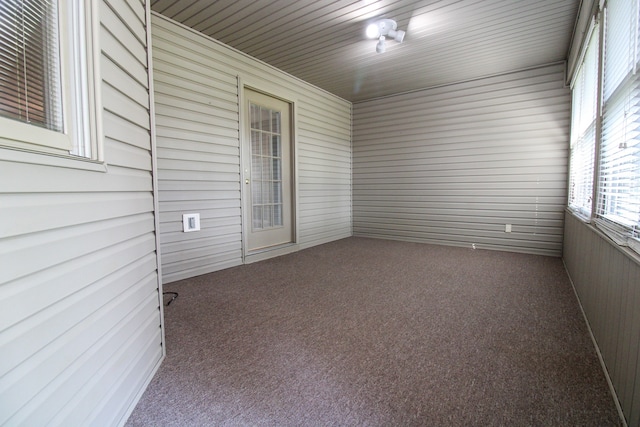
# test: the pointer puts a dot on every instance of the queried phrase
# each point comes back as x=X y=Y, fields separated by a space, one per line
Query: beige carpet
x=364 y=332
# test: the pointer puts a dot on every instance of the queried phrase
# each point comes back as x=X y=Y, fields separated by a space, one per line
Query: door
x=267 y=157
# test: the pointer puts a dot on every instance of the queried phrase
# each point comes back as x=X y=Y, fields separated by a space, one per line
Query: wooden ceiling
x=323 y=41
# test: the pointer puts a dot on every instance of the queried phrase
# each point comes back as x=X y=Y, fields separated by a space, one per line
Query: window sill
x=579 y=215
x=626 y=250
x=47 y=159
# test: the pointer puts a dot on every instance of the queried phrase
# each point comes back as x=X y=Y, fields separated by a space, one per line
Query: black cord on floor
x=174 y=296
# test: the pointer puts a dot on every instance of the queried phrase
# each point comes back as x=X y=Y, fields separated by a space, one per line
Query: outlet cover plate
x=190 y=222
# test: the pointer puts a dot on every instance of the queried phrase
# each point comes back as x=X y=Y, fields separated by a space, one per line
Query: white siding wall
x=454 y=165
x=80 y=328
x=197 y=115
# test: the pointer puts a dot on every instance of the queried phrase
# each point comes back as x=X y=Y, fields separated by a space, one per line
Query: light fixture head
x=373 y=31
x=384 y=27
x=397 y=35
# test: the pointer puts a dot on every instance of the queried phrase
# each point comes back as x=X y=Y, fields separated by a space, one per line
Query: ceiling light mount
x=381 y=30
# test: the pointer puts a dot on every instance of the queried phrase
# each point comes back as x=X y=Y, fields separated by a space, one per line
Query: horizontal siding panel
x=205 y=214
x=126 y=48
x=541 y=194
x=469 y=148
x=34 y=253
x=521 y=174
x=186 y=195
x=117 y=77
x=228 y=231
x=484 y=114
x=133 y=15
x=47 y=325
x=49 y=211
x=500 y=133
x=63 y=180
x=192 y=255
x=553 y=219
x=198 y=186
x=462 y=229
x=168 y=136
x=26 y=296
x=325 y=146
x=52 y=367
x=310 y=155
x=205 y=114
x=217 y=154
x=446 y=185
x=488 y=100
x=116 y=351
x=197 y=206
x=223 y=129
x=176 y=227
x=225 y=254
x=119 y=103
x=174 y=106
x=176 y=176
x=116 y=52
x=233 y=259
x=136 y=369
x=122 y=130
x=127 y=156
x=189 y=165
x=531 y=138
x=494 y=150
x=201 y=242
x=168 y=75
x=479 y=205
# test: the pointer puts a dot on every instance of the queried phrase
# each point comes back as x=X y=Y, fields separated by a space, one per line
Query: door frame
x=269 y=89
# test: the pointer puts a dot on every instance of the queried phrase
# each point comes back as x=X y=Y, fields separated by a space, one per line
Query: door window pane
x=257 y=217
x=266 y=167
x=265 y=119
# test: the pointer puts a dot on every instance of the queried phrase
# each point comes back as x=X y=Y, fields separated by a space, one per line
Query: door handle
x=246 y=181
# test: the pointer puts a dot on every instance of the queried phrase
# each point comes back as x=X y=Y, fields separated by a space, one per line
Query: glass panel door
x=267 y=172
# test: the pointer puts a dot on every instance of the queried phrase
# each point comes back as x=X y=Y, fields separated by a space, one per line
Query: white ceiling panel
x=323 y=41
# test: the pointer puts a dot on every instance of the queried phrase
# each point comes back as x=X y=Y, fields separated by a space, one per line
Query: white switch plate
x=507 y=228
x=190 y=222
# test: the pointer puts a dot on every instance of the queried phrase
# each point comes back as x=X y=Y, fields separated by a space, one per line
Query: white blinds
x=618 y=208
x=583 y=129
x=29 y=63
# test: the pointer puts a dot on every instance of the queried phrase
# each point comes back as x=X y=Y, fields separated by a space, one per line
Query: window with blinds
x=583 y=129
x=30 y=86
x=609 y=139
x=49 y=82
x=618 y=206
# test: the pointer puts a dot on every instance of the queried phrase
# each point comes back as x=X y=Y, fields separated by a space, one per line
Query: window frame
x=578 y=136
x=619 y=230
x=81 y=136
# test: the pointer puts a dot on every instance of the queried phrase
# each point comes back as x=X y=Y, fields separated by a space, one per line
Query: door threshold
x=270 y=252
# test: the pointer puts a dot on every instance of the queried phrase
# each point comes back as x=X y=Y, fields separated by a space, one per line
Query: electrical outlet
x=507 y=228
x=190 y=222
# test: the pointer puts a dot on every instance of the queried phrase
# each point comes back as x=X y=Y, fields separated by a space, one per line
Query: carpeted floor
x=365 y=332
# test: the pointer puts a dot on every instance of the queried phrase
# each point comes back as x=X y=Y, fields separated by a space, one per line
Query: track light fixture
x=381 y=30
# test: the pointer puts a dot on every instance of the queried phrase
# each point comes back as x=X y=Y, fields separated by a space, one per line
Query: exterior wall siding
x=198 y=111
x=606 y=279
x=80 y=324
x=453 y=165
